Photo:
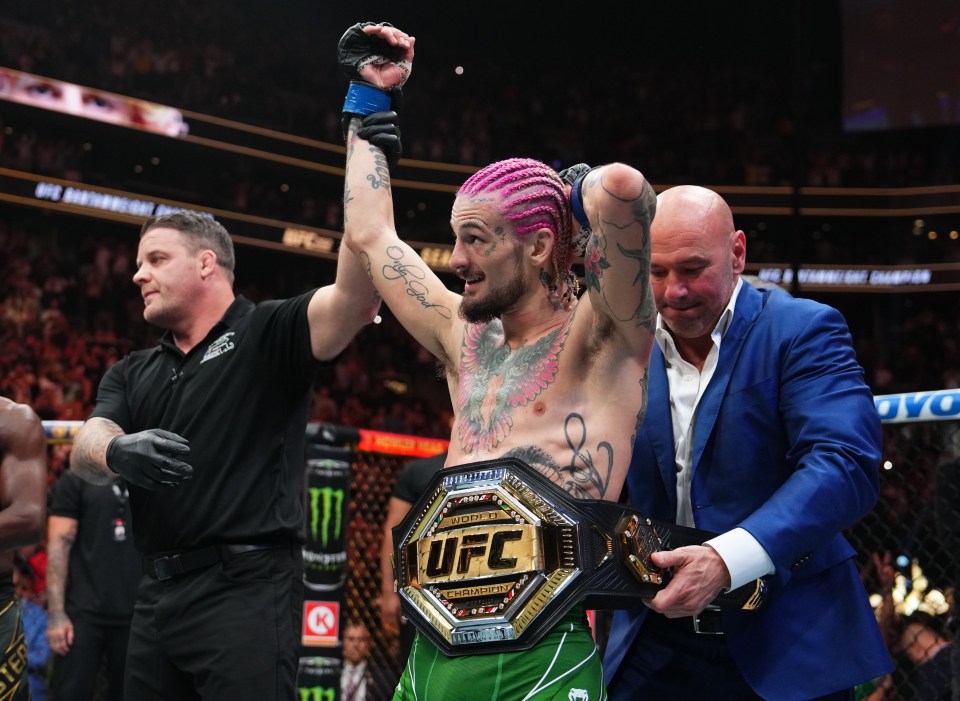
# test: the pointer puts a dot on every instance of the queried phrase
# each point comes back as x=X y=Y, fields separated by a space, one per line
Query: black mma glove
x=357 y=49
x=354 y=51
x=149 y=459
x=574 y=176
x=382 y=130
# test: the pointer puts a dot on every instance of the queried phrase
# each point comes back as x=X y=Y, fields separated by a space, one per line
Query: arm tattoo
x=365 y=262
x=596 y=258
x=380 y=177
x=412 y=276
x=645 y=313
x=347 y=199
x=643 y=410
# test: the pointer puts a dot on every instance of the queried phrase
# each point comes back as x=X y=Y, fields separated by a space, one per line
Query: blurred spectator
x=924 y=643
x=361 y=679
x=325 y=409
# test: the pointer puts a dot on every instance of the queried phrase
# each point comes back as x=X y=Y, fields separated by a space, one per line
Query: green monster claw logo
x=317 y=693
x=325 y=502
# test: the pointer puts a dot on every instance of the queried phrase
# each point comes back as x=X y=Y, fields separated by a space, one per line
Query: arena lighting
x=106 y=203
x=72 y=197
x=913 y=593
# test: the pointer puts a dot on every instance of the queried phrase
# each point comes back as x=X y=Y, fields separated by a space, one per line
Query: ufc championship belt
x=494 y=554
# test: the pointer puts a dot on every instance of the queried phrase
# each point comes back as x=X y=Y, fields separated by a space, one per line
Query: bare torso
x=566 y=407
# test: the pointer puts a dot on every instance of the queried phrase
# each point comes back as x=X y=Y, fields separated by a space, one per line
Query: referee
x=207 y=429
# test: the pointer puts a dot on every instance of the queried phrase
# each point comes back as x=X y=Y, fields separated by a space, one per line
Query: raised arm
x=617 y=204
x=414 y=293
x=337 y=312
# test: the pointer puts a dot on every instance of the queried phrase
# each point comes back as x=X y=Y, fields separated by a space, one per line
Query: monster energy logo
x=326 y=506
x=317 y=693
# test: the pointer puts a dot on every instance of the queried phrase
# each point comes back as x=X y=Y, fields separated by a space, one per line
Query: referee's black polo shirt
x=242 y=399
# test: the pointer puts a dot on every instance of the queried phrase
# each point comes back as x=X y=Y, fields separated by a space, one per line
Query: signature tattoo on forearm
x=411 y=275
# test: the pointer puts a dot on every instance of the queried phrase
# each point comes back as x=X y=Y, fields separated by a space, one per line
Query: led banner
x=862 y=278
x=90 y=103
x=939 y=405
x=400 y=444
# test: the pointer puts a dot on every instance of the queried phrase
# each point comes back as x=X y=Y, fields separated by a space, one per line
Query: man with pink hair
x=534 y=371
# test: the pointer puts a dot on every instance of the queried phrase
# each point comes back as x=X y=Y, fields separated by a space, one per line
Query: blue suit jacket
x=787 y=446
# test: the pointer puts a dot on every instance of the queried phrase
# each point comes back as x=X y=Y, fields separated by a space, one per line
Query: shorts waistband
x=175 y=564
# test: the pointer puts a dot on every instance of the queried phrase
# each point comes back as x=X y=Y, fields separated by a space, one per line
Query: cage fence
x=908 y=552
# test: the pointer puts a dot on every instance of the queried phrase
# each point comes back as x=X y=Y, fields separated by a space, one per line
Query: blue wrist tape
x=576 y=202
x=364 y=99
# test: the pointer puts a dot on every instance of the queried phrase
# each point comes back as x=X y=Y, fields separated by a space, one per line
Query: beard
x=480 y=310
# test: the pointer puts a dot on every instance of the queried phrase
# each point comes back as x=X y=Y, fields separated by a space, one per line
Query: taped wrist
x=365 y=98
x=576 y=202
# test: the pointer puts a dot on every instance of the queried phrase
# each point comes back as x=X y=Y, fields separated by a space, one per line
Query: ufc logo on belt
x=476 y=552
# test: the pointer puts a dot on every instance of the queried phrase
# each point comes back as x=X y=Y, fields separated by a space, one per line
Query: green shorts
x=564 y=666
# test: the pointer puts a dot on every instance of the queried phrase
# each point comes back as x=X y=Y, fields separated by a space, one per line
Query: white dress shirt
x=744 y=557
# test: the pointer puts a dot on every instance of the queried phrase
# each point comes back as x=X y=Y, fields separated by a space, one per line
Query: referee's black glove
x=149 y=459
x=382 y=130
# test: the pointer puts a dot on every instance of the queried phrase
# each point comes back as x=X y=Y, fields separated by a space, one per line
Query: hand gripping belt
x=494 y=554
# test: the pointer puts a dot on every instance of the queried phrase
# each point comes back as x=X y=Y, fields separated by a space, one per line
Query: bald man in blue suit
x=759 y=427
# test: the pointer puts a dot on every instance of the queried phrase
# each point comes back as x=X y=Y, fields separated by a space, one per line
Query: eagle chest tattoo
x=495 y=380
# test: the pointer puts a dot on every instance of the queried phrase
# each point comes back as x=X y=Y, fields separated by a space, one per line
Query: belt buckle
x=166 y=567
x=715 y=610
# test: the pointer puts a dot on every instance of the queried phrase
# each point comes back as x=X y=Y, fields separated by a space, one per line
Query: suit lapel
x=745 y=313
x=659 y=426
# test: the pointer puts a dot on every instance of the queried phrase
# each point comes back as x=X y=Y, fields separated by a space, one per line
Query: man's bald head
x=696 y=255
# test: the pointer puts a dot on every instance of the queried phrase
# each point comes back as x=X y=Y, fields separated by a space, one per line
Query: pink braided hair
x=532 y=198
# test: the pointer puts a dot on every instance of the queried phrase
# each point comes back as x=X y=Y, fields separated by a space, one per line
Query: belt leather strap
x=494 y=554
x=169 y=566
